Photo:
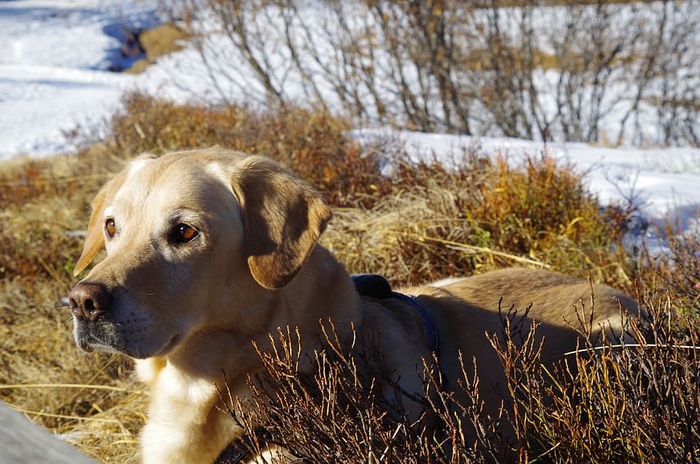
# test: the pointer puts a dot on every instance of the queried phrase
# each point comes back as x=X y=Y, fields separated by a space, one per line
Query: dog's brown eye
x=183 y=233
x=110 y=227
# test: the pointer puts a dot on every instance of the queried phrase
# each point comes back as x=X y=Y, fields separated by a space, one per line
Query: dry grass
x=43 y=375
x=425 y=223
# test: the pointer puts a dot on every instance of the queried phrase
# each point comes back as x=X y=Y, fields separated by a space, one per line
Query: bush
x=312 y=142
x=482 y=215
x=590 y=71
x=638 y=402
x=633 y=403
x=338 y=413
x=675 y=269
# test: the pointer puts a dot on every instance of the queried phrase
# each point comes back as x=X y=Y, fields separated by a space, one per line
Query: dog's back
x=560 y=303
x=467 y=311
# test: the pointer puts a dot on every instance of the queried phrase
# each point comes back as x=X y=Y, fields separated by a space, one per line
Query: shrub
x=338 y=413
x=485 y=214
x=478 y=68
x=638 y=402
x=676 y=269
x=313 y=143
x=633 y=403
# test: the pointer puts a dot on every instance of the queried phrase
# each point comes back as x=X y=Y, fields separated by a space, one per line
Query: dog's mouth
x=98 y=336
x=106 y=336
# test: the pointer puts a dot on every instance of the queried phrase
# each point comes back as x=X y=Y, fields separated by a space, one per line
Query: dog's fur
x=187 y=310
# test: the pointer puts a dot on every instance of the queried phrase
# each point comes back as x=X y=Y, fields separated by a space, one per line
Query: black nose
x=88 y=300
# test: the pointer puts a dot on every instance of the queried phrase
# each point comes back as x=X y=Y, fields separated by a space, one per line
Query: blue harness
x=376 y=286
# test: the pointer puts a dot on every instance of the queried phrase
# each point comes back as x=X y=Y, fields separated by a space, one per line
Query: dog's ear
x=283 y=218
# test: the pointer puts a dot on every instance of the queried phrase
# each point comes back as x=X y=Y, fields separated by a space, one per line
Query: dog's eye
x=110 y=227
x=183 y=233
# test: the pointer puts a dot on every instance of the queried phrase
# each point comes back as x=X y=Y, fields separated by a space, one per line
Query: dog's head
x=192 y=239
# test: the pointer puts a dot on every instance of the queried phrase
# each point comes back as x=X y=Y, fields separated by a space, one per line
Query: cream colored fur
x=187 y=310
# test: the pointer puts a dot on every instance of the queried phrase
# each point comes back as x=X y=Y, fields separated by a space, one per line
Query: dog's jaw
x=96 y=336
x=109 y=318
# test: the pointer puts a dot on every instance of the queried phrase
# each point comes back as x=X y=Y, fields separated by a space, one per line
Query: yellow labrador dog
x=209 y=251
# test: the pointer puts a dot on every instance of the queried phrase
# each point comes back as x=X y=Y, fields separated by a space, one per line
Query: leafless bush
x=635 y=402
x=337 y=413
x=676 y=268
x=485 y=68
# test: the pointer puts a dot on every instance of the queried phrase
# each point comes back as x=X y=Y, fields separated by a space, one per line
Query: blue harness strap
x=376 y=286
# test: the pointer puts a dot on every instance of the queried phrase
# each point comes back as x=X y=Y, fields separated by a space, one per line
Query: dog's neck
x=324 y=275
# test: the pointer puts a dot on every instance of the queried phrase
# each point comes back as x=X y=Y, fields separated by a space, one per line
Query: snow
x=55 y=74
x=54 y=69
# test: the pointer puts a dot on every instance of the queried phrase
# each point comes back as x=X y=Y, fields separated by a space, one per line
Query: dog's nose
x=88 y=300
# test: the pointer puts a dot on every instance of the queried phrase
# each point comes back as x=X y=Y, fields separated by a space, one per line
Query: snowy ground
x=54 y=69
x=54 y=74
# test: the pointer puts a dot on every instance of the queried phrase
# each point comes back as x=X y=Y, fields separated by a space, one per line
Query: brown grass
x=427 y=222
x=43 y=203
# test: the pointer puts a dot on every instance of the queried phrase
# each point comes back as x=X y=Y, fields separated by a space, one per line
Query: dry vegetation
x=427 y=222
x=637 y=403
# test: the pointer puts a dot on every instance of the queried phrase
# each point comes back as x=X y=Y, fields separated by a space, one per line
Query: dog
x=210 y=251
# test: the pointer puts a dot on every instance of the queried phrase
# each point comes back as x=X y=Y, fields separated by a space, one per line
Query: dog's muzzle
x=90 y=304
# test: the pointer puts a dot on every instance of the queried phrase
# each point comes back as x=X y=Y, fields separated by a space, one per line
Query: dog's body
x=209 y=252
